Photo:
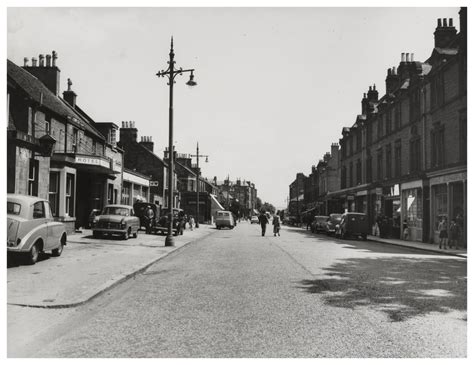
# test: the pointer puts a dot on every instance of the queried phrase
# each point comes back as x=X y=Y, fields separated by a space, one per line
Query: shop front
x=448 y=197
x=412 y=210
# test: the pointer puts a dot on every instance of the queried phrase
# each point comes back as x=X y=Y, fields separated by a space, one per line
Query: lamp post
x=171 y=73
x=197 y=155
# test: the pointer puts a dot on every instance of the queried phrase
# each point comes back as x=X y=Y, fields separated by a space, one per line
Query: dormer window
x=113 y=137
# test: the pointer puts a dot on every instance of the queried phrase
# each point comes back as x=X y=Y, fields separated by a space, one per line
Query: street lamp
x=171 y=73
x=197 y=155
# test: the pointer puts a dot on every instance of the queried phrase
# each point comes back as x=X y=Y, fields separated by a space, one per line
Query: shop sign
x=378 y=191
x=350 y=197
x=117 y=165
x=153 y=183
x=92 y=161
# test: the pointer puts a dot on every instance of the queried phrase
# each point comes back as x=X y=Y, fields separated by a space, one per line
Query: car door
x=41 y=224
x=54 y=228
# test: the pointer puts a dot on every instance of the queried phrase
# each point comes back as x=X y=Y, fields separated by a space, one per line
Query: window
x=33 y=177
x=47 y=126
x=388 y=161
x=358 y=172
x=388 y=121
x=415 y=154
x=437 y=90
x=398 y=158
x=54 y=192
x=380 y=127
x=463 y=138
x=343 y=177
x=70 y=195
x=38 y=210
x=94 y=147
x=368 y=167
x=379 y=164
x=437 y=145
x=351 y=174
x=113 y=137
x=126 y=193
x=75 y=140
x=398 y=116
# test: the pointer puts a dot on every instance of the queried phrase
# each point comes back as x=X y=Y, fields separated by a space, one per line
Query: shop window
x=437 y=146
x=54 y=192
x=33 y=177
x=440 y=203
x=70 y=192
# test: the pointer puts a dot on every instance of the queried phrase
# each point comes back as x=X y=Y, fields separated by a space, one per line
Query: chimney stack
x=147 y=143
x=25 y=61
x=128 y=133
x=444 y=33
x=69 y=95
x=49 y=75
x=391 y=81
x=334 y=149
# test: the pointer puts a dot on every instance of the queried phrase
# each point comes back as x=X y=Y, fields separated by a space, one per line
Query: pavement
x=88 y=267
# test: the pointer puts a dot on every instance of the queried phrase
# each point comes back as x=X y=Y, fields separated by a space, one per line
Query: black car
x=148 y=214
x=319 y=223
x=178 y=222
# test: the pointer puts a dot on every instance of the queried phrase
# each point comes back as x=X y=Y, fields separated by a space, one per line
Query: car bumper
x=110 y=230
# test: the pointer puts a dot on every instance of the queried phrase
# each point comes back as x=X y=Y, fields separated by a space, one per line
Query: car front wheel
x=126 y=235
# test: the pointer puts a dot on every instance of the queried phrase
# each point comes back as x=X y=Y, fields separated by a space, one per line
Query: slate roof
x=41 y=94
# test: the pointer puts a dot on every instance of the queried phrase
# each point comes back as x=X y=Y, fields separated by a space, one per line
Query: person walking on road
x=443 y=233
x=263 y=219
x=276 y=225
x=191 y=222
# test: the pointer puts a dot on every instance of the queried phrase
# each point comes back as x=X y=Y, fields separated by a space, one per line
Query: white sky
x=275 y=85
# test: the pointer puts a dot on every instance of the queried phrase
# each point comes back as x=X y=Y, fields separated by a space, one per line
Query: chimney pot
x=370 y=88
x=394 y=70
x=445 y=23
x=439 y=22
x=374 y=87
x=33 y=62
x=48 y=60
x=450 y=22
x=41 y=60
x=403 y=57
x=55 y=56
x=25 y=61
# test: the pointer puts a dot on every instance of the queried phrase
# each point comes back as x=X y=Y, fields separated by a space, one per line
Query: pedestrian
x=149 y=215
x=454 y=232
x=263 y=219
x=191 y=222
x=405 y=229
x=276 y=225
x=443 y=233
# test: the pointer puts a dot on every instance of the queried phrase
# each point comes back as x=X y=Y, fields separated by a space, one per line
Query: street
x=237 y=294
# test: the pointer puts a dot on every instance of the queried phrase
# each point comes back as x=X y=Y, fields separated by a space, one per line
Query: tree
x=267 y=207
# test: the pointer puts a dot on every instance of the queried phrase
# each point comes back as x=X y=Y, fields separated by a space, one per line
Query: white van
x=224 y=218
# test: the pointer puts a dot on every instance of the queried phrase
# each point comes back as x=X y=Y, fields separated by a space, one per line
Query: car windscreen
x=116 y=211
x=13 y=208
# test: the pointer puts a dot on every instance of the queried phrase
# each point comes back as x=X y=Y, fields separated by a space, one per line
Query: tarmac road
x=237 y=294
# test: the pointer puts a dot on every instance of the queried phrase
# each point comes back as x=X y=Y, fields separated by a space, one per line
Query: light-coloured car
x=116 y=219
x=32 y=228
x=224 y=218
x=254 y=219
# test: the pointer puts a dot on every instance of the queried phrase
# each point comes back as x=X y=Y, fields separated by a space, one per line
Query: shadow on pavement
x=15 y=259
x=400 y=287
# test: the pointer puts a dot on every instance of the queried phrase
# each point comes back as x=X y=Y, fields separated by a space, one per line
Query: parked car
x=353 y=225
x=224 y=218
x=162 y=223
x=332 y=222
x=254 y=219
x=32 y=228
x=116 y=219
x=318 y=224
x=148 y=213
x=94 y=213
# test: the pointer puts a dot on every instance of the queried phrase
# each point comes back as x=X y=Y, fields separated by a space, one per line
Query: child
x=276 y=225
x=443 y=233
x=454 y=233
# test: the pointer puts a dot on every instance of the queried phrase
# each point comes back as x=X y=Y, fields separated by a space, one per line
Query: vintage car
x=162 y=224
x=32 y=228
x=224 y=218
x=353 y=225
x=148 y=213
x=254 y=219
x=318 y=224
x=116 y=219
x=332 y=222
